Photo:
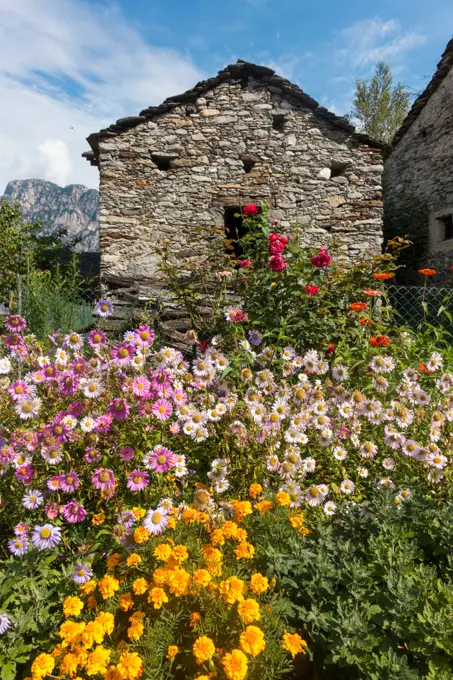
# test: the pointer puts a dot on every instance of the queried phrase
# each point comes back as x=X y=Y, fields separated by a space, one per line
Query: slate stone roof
x=443 y=68
x=242 y=71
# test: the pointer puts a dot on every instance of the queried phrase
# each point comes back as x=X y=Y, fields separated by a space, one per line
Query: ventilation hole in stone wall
x=424 y=133
x=162 y=162
x=278 y=121
x=249 y=164
x=234 y=231
x=446 y=223
x=337 y=168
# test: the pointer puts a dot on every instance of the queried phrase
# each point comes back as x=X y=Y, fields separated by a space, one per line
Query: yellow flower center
x=156 y=517
x=161 y=460
x=45 y=532
x=104 y=476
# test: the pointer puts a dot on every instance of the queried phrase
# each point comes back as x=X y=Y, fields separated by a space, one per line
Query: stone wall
x=420 y=168
x=241 y=142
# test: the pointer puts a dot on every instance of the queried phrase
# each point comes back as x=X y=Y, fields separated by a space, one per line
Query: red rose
x=245 y=263
x=311 y=290
x=273 y=237
x=276 y=247
x=277 y=263
x=250 y=210
x=322 y=259
x=283 y=240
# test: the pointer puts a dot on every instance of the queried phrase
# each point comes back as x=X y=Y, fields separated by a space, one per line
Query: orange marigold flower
x=232 y=590
x=259 y=584
x=113 y=560
x=427 y=272
x=235 y=665
x=126 y=602
x=217 y=537
x=203 y=649
x=230 y=529
x=244 y=551
x=365 y=322
x=282 y=498
x=249 y=610
x=162 y=552
x=201 y=578
x=133 y=560
x=241 y=509
x=179 y=553
x=108 y=586
x=172 y=652
x=88 y=587
x=130 y=666
x=140 y=586
x=255 y=490
x=293 y=643
x=72 y=606
x=98 y=519
x=157 y=597
x=263 y=507
x=141 y=535
x=252 y=641
x=358 y=306
x=195 y=617
x=380 y=341
x=383 y=276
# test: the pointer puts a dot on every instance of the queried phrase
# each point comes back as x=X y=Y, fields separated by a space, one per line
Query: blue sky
x=69 y=67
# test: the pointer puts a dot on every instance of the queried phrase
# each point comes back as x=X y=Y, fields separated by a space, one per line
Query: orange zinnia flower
x=427 y=272
x=358 y=306
x=380 y=341
x=383 y=276
x=366 y=322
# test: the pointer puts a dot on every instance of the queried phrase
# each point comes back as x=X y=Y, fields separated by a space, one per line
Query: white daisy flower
x=347 y=486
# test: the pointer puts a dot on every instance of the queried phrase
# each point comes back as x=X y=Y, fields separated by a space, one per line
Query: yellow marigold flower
x=171 y=523
x=201 y=578
x=255 y=490
x=42 y=666
x=213 y=559
x=189 y=516
x=241 y=509
x=293 y=643
x=232 y=590
x=70 y=630
x=259 y=583
x=172 y=652
x=249 y=611
x=69 y=664
x=133 y=560
x=217 y=537
x=139 y=513
x=135 y=630
x=180 y=553
x=157 y=597
x=202 y=677
x=241 y=535
x=178 y=582
x=230 y=529
x=107 y=621
x=130 y=665
x=113 y=560
x=195 y=617
x=160 y=576
x=126 y=602
x=141 y=535
x=88 y=587
x=244 y=551
x=203 y=649
x=263 y=507
x=235 y=665
x=93 y=633
x=72 y=606
x=282 y=498
x=252 y=641
x=97 y=661
x=108 y=585
x=98 y=519
x=162 y=552
x=140 y=586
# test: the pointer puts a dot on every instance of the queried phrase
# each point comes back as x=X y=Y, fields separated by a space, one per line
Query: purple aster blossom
x=68 y=384
x=96 y=338
x=159 y=459
x=54 y=483
x=15 y=323
x=60 y=431
x=103 y=423
x=74 y=512
x=255 y=338
x=75 y=409
x=137 y=480
x=103 y=308
x=51 y=510
x=126 y=453
x=46 y=536
x=126 y=518
x=32 y=499
x=103 y=479
x=145 y=409
x=144 y=336
x=91 y=455
x=19 y=389
x=69 y=481
x=81 y=574
x=18 y=546
x=21 y=529
x=119 y=409
x=162 y=409
x=13 y=342
x=123 y=353
x=25 y=474
x=50 y=372
x=160 y=380
x=78 y=366
x=5 y=622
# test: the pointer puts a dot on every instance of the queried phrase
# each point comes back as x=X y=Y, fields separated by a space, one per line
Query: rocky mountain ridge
x=74 y=208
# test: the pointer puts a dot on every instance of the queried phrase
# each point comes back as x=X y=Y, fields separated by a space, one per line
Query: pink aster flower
x=103 y=479
x=159 y=459
x=51 y=510
x=15 y=323
x=91 y=455
x=19 y=389
x=21 y=529
x=137 y=480
x=68 y=384
x=70 y=481
x=96 y=338
x=54 y=483
x=103 y=423
x=141 y=386
x=78 y=366
x=126 y=453
x=123 y=353
x=162 y=409
x=144 y=336
x=25 y=474
x=74 y=512
x=119 y=409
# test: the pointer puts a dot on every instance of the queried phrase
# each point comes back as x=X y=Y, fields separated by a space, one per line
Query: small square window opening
x=337 y=169
x=234 y=231
x=446 y=227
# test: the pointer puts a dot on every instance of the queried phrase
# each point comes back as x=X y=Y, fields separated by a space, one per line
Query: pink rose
x=245 y=263
x=322 y=259
x=276 y=247
x=250 y=210
x=277 y=263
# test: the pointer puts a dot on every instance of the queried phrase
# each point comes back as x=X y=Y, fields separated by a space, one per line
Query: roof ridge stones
x=443 y=68
x=241 y=71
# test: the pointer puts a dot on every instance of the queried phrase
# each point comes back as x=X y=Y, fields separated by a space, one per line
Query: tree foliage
x=379 y=106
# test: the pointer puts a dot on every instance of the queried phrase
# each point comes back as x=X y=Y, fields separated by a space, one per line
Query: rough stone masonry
x=245 y=136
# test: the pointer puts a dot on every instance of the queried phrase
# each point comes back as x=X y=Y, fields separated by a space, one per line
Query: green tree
x=379 y=106
x=23 y=246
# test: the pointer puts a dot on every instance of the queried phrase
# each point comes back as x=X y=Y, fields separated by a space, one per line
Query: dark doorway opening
x=234 y=231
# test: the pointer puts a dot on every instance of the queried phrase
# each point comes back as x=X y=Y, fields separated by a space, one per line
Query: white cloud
x=68 y=64
x=366 y=42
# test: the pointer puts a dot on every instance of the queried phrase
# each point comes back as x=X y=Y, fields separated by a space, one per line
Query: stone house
x=419 y=169
x=244 y=136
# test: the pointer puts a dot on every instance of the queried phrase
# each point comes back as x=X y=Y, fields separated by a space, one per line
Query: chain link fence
x=415 y=304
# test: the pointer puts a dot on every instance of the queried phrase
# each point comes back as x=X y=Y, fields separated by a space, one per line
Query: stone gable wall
x=420 y=169
x=205 y=143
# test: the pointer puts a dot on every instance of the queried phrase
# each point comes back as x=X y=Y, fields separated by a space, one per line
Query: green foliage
x=379 y=105
x=30 y=590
